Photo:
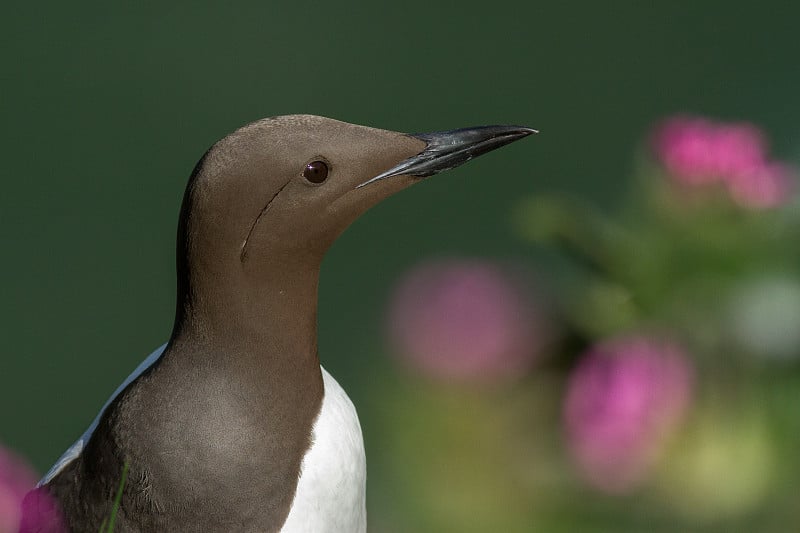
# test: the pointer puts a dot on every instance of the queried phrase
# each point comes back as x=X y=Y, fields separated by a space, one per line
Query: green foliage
x=691 y=263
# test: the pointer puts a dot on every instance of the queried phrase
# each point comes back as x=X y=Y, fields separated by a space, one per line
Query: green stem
x=117 y=500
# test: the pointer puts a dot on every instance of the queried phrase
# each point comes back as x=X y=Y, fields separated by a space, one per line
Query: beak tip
x=525 y=131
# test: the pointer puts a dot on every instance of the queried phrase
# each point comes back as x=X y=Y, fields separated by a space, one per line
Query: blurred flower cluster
x=697 y=151
x=655 y=381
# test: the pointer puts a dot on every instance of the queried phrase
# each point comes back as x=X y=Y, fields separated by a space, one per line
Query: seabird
x=233 y=425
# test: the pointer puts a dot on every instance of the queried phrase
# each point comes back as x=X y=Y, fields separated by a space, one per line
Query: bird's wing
x=76 y=449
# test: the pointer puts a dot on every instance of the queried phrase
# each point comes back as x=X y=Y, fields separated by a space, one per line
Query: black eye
x=316 y=172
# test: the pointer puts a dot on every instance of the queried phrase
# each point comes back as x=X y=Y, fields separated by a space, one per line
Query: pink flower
x=16 y=480
x=763 y=187
x=464 y=320
x=697 y=151
x=623 y=399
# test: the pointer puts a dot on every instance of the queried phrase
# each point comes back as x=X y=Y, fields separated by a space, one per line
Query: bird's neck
x=267 y=312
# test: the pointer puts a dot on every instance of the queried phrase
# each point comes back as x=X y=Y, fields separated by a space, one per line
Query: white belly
x=331 y=492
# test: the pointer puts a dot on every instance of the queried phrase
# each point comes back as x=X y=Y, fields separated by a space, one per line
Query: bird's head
x=279 y=191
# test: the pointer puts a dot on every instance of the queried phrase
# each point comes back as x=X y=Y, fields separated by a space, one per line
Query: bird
x=233 y=424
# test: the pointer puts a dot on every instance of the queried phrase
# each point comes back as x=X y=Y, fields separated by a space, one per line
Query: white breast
x=331 y=492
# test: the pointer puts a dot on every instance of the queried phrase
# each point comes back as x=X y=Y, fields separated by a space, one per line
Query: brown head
x=267 y=201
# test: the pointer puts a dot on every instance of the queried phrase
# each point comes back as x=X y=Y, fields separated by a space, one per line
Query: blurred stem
x=577 y=230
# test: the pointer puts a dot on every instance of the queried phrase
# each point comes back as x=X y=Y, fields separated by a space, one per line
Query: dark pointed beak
x=449 y=149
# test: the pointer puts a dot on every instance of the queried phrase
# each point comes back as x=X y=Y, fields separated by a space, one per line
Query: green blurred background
x=106 y=108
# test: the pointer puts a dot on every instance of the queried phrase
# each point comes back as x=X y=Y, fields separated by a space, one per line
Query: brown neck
x=262 y=312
